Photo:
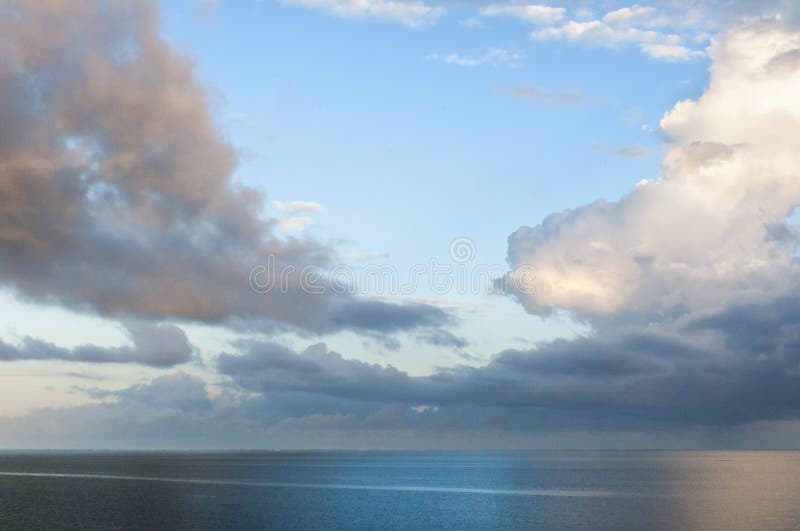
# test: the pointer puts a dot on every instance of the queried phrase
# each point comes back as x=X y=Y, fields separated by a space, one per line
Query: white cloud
x=671 y=52
x=493 y=56
x=455 y=59
x=536 y=14
x=471 y=23
x=294 y=224
x=714 y=226
x=633 y=25
x=299 y=206
x=636 y=15
x=411 y=13
x=598 y=32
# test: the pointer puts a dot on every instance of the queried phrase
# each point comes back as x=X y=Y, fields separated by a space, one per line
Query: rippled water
x=401 y=490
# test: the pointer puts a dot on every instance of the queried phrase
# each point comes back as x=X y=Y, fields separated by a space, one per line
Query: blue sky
x=639 y=158
x=404 y=150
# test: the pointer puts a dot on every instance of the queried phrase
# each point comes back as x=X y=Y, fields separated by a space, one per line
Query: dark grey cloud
x=692 y=384
x=177 y=391
x=153 y=345
x=738 y=365
x=116 y=190
x=442 y=338
x=382 y=317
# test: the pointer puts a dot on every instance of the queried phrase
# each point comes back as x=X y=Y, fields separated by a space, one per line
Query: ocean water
x=400 y=490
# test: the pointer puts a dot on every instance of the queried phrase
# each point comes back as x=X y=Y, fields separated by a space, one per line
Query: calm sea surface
x=401 y=490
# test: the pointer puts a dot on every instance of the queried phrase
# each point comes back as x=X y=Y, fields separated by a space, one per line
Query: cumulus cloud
x=153 y=345
x=713 y=226
x=116 y=193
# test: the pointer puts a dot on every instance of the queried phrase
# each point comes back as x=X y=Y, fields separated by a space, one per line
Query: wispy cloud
x=471 y=22
x=671 y=52
x=294 y=224
x=536 y=14
x=493 y=56
x=633 y=151
x=534 y=93
x=660 y=33
x=658 y=45
x=411 y=13
x=299 y=206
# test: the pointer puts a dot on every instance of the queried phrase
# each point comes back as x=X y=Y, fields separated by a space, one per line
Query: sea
x=638 y=490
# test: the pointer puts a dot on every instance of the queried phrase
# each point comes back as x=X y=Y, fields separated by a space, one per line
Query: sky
x=399 y=224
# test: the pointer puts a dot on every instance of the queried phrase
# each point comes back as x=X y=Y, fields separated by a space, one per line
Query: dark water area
x=400 y=490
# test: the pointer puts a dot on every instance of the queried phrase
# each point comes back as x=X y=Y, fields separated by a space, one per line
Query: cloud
x=695 y=376
x=689 y=282
x=178 y=391
x=299 y=206
x=636 y=15
x=294 y=224
x=381 y=317
x=493 y=56
x=632 y=25
x=729 y=372
x=712 y=227
x=598 y=32
x=698 y=373
x=536 y=14
x=632 y=151
x=172 y=411
x=442 y=338
x=453 y=59
x=409 y=12
x=471 y=23
x=671 y=52
x=153 y=345
x=112 y=131
x=534 y=93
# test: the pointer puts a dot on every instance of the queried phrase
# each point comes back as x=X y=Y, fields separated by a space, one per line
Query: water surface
x=401 y=490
